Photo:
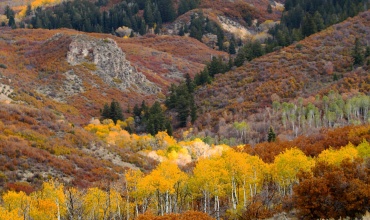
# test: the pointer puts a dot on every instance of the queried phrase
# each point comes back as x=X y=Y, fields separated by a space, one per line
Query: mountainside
x=186 y=109
x=314 y=66
x=76 y=73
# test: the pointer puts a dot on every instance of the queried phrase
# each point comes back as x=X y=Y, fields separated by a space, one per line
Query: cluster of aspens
x=226 y=181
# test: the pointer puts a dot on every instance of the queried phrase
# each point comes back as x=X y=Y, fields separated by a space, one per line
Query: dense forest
x=301 y=18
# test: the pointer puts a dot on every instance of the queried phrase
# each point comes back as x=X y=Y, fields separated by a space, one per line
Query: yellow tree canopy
x=335 y=157
x=287 y=164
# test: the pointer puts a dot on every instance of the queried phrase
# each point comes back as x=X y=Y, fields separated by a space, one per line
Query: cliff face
x=105 y=59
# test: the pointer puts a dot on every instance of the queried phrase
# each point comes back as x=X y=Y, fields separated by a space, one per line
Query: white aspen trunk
x=119 y=209
x=255 y=189
x=244 y=194
x=251 y=190
x=205 y=202
x=57 y=202
x=136 y=210
x=162 y=208
x=209 y=202
x=236 y=194
x=128 y=207
x=217 y=208
x=170 y=203
x=166 y=202
x=232 y=193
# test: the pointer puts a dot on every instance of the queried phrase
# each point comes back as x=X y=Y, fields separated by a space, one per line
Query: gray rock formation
x=72 y=85
x=110 y=62
x=5 y=92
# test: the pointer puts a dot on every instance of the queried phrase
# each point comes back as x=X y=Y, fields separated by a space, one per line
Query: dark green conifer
x=271 y=137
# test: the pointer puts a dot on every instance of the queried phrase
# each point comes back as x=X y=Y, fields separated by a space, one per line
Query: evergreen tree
x=232 y=49
x=181 y=32
x=105 y=114
x=167 y=10
x=183 y=7
x=148 y=14
x=29 y=10
x=115 y=111
x=137 y=110
x=9 y=12
x=269 y=8
x=319 y=21
x=11 y=22
x=189 y=83
x=183 y=107
x=308 y=26
x=357 y=53
x=202 y=78
x=142 y=30
x=367 y=52
x=271 y=137
x=193 y=111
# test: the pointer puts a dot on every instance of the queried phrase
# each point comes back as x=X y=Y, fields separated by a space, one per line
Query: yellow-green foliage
x=233 y=174
x=335 y=157
x=364 y=149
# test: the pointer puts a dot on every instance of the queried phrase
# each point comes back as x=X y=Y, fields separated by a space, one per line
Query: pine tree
x=137 y=110
x=181 y=32
x=357 y=54
x=193 y=111
x=148 y=14
x=9 y=12
x=11 y=22
x=112 y=111
x=167 y=10
x=232 y=47
x=29 y=10
x=106 y=112
x=308 y=26
x=271 y=137
x=367 y=52
x=269 y=8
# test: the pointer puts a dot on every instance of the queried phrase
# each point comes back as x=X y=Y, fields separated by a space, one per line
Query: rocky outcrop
x=105 y=59
x=5 y=92
x=235 y=28
x=72 y=85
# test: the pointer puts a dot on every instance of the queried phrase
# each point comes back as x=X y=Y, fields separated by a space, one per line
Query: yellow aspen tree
x=95 y=203
x=335 y=157
x=49 y=203
x=18 y=202
x=210 y=178
x=254 y=173
x=363 y=149
x=74 y=203
x=10 y=215
x=132 y=179
x=286 y=166
x=166 y=180
x=116 y=203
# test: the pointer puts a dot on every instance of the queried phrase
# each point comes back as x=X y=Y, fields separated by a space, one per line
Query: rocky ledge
x=105 y=59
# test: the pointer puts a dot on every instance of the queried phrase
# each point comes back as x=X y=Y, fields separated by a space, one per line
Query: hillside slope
x=71 y=72
x=314 y=66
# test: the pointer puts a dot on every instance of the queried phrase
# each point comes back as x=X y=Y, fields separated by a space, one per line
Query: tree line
x=301 y=18
x=149 y=119
x=83 y=15
x=232 y=185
